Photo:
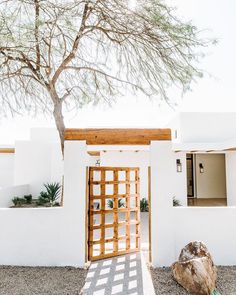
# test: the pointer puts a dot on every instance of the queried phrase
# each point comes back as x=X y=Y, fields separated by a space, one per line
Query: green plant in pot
x=110 y=203
x=144 y=205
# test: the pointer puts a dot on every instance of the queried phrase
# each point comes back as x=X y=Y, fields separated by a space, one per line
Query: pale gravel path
x=165 y=284
x=41 y=280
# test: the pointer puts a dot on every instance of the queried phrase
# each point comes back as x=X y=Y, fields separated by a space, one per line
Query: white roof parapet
x=205 y=146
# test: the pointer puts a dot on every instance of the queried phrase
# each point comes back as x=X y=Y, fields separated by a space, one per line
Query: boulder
x=195 y=270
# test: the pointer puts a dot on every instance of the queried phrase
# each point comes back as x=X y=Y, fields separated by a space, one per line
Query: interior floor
x=212 y=202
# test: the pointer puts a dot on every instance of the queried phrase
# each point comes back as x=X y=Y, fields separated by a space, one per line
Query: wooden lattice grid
x=103 y=246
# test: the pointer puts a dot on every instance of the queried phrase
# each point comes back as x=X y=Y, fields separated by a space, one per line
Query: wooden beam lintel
x=118 y=136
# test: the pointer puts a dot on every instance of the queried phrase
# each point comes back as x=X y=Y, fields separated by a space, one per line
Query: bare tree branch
x=71 y=53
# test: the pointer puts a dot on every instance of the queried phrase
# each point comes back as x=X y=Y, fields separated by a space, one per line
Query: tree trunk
x=59 y=120
x=57 y=114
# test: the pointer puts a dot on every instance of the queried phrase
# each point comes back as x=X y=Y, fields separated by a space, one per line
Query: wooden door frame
x=86 y=214
x=149 y=215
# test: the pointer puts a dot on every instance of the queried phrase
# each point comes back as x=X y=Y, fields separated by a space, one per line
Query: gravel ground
x=41 y=280
x=165 y=284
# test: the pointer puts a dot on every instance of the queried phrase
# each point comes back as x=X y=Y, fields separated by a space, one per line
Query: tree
x=69 y=53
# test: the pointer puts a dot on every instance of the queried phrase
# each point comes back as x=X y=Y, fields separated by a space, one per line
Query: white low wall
x=39 y=236
x=212 y=225
x=50 y=236
x=174 y=227
x=8 y=193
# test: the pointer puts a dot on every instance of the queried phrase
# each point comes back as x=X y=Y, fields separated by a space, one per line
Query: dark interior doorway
x=190 y=176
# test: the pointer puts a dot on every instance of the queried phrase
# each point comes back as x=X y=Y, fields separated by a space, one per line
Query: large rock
x=195 y=270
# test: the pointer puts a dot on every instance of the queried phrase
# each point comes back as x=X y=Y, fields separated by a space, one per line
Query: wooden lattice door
x=114 y=211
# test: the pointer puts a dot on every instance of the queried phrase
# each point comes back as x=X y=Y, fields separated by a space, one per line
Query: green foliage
x=28 y=199
x=148 y=50
x=215 y=292
x=176 y=203
x=51 y=195
x=42 y=199
x=110 y=203
x=144 y=205
x=18 y=201
x=53 y=191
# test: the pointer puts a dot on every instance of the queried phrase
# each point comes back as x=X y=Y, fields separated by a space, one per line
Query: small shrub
x=18 y=201
x=28 y=199
x=43 y=199
x=110 y=203
x=50 y=196
x=144 y=205
x=176 y=203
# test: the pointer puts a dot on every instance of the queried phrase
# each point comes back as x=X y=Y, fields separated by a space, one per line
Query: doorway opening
x=134 y=140
x=124 y=225
x=206 y=179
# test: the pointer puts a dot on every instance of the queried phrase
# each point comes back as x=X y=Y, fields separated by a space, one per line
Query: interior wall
x=129 y=159
x=6 y=169
x=230 y=162
x=212 y=182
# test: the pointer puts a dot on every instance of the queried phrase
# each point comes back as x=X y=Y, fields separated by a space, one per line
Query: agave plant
x=51 y=195
x=53 y=191
x=176 y=202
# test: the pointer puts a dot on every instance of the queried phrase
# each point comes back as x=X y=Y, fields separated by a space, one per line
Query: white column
x=75 y=161
x=163 y=166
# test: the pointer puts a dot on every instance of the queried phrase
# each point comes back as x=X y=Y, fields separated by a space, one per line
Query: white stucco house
x=194 y=161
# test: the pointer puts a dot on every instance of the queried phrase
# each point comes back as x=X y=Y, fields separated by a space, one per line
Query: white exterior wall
x=6 y=170
x=206 y=127
x=50 y=236
x=8 y=193
x=37 y=163
x=129 y=159
x=174 y=227
x=166 y=182
x=92 y=160
x=212 y=225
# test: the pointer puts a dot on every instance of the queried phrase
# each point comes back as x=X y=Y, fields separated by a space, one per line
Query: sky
x=214 y=92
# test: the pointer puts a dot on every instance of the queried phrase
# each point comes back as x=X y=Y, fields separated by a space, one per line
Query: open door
x=114 y=212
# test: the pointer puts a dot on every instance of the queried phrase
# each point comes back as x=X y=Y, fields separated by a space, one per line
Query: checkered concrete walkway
x=122 y=275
